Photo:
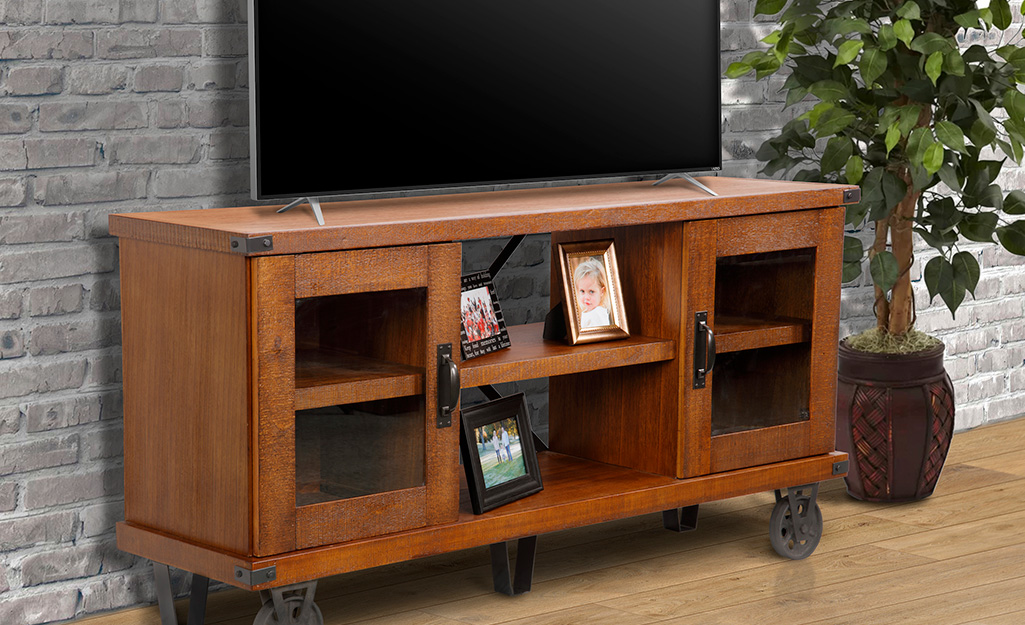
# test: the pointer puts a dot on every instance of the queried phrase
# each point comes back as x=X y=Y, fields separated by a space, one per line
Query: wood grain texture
x=734 y=334
x=457 y=217
x=596 y=414
x=359 y=271
x=530 y=356
x=330 y=378
x=826 y=330
x=585 y=493
x=186 y=393
x=273 y=371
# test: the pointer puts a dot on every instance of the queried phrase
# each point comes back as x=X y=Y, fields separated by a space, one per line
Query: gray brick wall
x=125 y=105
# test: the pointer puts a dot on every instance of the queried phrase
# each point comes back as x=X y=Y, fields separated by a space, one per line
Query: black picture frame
x=490 y=484
x=481 y=322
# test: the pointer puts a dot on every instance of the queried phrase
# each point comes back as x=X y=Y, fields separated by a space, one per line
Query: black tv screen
x=351 y=96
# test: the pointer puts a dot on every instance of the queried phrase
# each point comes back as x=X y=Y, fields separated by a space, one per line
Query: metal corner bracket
x=255 y=577
x=251 y=245
x=841 y=468
x=852 y=196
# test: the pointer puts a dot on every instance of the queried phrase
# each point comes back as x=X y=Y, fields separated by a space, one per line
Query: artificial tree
x=917 y=102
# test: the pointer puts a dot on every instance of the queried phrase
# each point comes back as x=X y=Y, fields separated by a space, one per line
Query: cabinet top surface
x=456 y=217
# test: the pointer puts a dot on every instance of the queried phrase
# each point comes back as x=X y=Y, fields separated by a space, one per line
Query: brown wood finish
x=329 y=378
x=695 y=406
x=595 y=414
x=826 y=334
x=186 y=388
x=351 y=315
x=532 y=356
x=409 y=221
x=586 y=493
x=734 y=334
x=273 y=389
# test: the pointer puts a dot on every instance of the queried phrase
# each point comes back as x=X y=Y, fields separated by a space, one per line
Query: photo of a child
x=592 y=294
x=591 y=286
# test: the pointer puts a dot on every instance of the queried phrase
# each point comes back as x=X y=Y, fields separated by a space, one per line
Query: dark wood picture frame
x=602 y=255
x=519 y=480
x=478 y=302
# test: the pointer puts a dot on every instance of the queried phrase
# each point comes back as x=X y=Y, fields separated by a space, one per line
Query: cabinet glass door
x=359 y=451
x=762 y=311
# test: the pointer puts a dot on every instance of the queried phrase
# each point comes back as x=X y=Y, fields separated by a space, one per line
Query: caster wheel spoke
x=294 y=613
x=795 y=538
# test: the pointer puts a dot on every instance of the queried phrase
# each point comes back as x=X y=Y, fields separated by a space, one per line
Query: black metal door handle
x=448 y=385
x=709 y=348
x=704 y=349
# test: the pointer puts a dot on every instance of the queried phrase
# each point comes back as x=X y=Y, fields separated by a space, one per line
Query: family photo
x=501 y=455
x=479 y=320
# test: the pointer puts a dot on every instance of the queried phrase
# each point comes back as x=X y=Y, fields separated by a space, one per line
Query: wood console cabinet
x=281 y=379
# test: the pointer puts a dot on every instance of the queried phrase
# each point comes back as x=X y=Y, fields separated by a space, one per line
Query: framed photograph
x=498 y=453
x=482 y=325
x=592 y=297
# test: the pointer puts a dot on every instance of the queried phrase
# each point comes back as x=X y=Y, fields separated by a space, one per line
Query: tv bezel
x=440 y=189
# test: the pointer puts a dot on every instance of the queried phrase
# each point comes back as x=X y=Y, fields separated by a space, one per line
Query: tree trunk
x=881 y=309
x=902 y=302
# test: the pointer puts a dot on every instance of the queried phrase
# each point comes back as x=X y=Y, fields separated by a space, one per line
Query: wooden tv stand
x=280 y=378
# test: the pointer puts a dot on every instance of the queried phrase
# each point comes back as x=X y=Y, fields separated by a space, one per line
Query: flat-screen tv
x=356 y=96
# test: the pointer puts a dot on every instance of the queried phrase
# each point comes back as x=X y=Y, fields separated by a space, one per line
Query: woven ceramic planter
x=895 y=417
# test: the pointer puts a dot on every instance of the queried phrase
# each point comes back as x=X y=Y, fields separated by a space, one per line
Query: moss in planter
x=881 y=342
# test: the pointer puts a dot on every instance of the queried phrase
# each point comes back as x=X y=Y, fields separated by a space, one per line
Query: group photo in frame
x=592 y=295
x=498 y=453
x=481 y=323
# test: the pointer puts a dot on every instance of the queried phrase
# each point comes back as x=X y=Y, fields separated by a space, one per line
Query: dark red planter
x=895 y=417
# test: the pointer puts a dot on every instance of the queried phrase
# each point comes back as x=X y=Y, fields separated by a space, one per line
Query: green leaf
x=769 y=7
x=978 y=227
x=981 y=134
x=795 y=95
x=886 y=37
x=909 y=10
x=851 y=271
x=847 y=52
x=1012 y=237
x=892 y=137
x=938 y=275
x=829 y=90
x=738 y=69
x=948 y=175
x=903 y=30
x=933 y=158
x=884 y=270
x=934 y=66
x=1014 y=204
x=838 y=150
x=853 y=250
x=951 y=135
x=1001 y=13
x=854 y=170
x=833 y=121
x=894 y=189
x=953 y=63
x=928 y=43
x=1014 y=104
x=872 y=65
x=966 y=271
x=968 y=20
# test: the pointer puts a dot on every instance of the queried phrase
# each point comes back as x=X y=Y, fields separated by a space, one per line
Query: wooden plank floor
x=957 y=558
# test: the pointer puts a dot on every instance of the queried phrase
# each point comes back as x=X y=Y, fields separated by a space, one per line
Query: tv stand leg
x=688 y=178
x=314 y=204
x=165 y=596
x=526 y=549
x=680 y=519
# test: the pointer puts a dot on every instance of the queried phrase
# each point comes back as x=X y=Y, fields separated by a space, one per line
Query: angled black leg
x=165 y=596
x=681 y=519
x=505 y=582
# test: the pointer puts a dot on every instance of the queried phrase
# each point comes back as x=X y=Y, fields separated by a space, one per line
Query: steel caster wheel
x=795 y=539
x=295 y=613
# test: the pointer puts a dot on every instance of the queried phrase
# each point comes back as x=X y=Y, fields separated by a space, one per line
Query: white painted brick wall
x=124 y=105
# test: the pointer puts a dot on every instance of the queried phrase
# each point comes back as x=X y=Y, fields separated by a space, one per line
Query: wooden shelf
x=329 y=378
x=531 y=356
x=734 y=334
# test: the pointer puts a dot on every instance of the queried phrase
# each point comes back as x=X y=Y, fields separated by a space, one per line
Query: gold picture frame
x=594 y=311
